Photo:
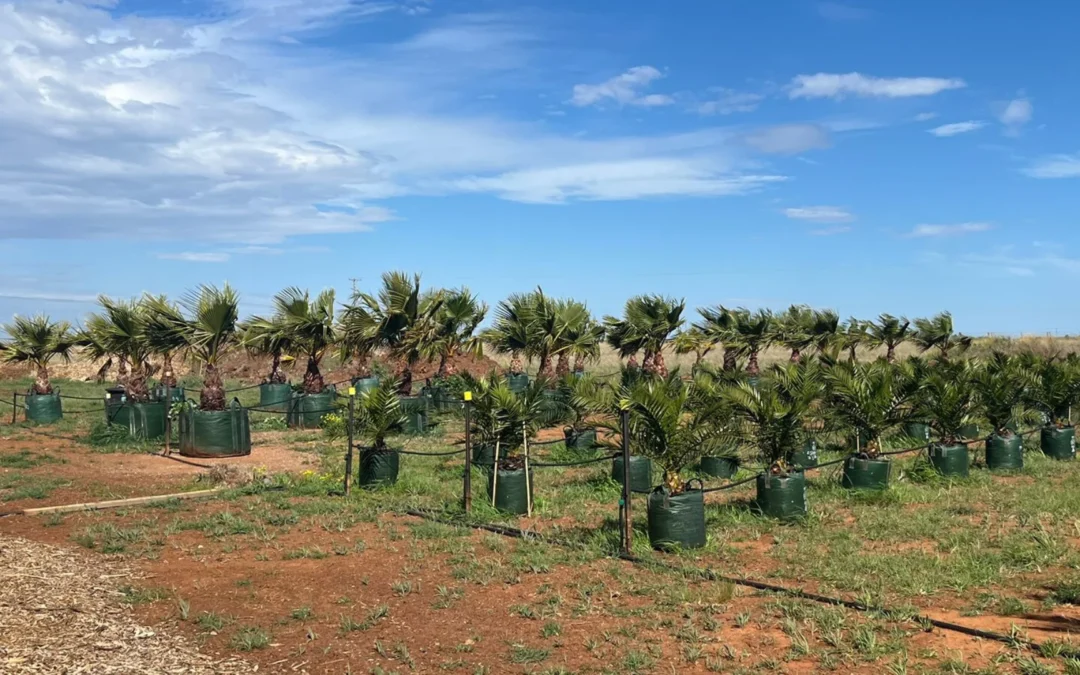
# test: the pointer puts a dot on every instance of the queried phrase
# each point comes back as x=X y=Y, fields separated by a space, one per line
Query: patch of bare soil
x=61 y=612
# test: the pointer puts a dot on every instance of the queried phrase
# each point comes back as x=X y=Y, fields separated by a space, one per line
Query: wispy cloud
x=820 y=214
x=830 y=231
x=788 y=139
x=949 y=230
x=195 y=257
x=1055 y=166
x=835 y=11
x=925 y=116
x=1015 y=114
x=624 y=89
x=729 y=101
x=830 y=85
x=75 y=298
x=956 y=128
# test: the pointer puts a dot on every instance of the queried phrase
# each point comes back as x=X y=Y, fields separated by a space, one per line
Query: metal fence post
x=467 y=488
x=168 y=418
x=349 y=451
x=627 y=533
x=14 y=405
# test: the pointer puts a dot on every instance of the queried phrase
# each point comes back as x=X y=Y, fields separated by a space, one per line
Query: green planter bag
x=640 y=473
x=513 y=490
x=378 y=468
x=781 y=496
x=517 y=383
x=719 y=467
x=807 y=457
x=969 y=432
x=951 y=461
x=920 y=431
x=865 y=474
x=144 y=421
x=215 y=433
x=307 y=410
x=363 y=384
x=676 y=521
x=276 y=397
x=176 y=394
x=43 y=408
x=483 y=456
x=579 y=440
x=416 y=414
x=1005 y=453
x=1059 y=443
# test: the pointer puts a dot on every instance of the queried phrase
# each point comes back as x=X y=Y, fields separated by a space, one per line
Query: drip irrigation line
x=414 y=453
x=710 y=575
x=729 y=486
x=182 y=461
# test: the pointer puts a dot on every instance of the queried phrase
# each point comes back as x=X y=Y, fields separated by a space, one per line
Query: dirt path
x=62 y=612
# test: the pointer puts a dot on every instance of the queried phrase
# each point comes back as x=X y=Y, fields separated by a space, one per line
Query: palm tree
x=264 y=337
x=576 y=335
x=890 y=332
x=795 y=330
x=37 y=340
x=455 y=326
x=511 y=331
x=648 y=321
x=308 y=324
x=937 y=333
x=94 y=349
x=721 y=326
x=358 y=331
x=121 y=329
x=161 y=316
x=946 y=398
x=871 y=398
x=696 y=341
x=855 y=334
x=209 y=329
x=1003 y=387
x=754 y=332
x=1056 y=389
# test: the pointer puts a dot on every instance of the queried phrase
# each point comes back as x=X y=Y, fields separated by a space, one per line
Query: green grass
x=24 y=459
x=249 y=638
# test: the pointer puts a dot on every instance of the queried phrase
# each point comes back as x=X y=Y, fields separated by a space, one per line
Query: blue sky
x=869 y=157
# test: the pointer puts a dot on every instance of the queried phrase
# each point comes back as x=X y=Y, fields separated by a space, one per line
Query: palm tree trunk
x=363 y=367
x=631 y=363
x=277 y=375
x=213 y=393
x=168 y=377
x=313 y=379
x=41 y=381
x=563 y=367
x=649 y=363
x=659 y=365
x=752 y=367
x=547 y=369
x=579 y=363
x=122 y=371
x=851 y=353
x=516 y=366
x=731 y=360
x=136 y=390
x=103 y=371
x=405 y=388
x=890 y=353
x=451 y=367
x=672 y=481
x=796 y=355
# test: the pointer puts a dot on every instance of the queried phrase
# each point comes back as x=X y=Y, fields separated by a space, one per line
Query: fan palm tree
x=455 y=326
x=772 y=416
x=854 y=334
x=753 y=333
x=647 y=324
x=94 y=349
x=37 y=340
x=695 y=341
x=358 y=330
x=510 y=333
x=209 y=329
x=871 y=398
x=890 y=332
x=161 y=317
x=795 y=330
x=576 y=335
x=308 y=325
x=121 y=329
x=937 y=333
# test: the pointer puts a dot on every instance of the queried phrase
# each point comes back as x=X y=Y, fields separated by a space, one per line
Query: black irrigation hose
x=182 y=461
x=710 y=575
x=421 y=454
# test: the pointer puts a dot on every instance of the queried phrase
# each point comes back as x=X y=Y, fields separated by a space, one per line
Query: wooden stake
x=528 y=487
x=115 y=503
x=495 y=474
x=467 y=479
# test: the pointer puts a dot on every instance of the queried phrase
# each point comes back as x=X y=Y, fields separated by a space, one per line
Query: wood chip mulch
x=62 y=611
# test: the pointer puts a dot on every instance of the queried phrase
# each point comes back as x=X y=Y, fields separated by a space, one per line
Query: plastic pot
x=378 y=467
x=1058 y=443
x=416 y=414
x=676 y=521
x=43 y=408
x=781 y=496
x=215 y=433
x=142 y=420
x=580 y=440
x=364 y=384
x=951 y=461
x=1005 y=452
x=920 y=431
x=275 y=396
x=307 y=410
x=719 y=467
x=640 y=472
x=806 y=457
x=518 y=382
x=514 y=491
x=865 y=474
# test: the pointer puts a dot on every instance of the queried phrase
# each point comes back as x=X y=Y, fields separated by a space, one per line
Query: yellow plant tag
x=352 y=391
x=468 y=396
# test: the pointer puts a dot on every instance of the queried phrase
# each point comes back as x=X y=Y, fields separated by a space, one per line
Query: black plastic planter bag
x=275 y=396
x=142 y=420
x=920 y=431
x=483 y=456
x=865 y=474
x=511 y=496
x=378 y=468
x=416 y=414
x=43 y=408
x=640 y=473
x=176 y=394
x=719 y=467
x=1005 y=453
x=307 y=410
x=807 y=457
x=676 y=521
x=1059 y=443
x=781 y=496
x=363 y=384
x=439 y=398
x=580 y=440
x=215 y=433
x=517 y=383
x=951 y=461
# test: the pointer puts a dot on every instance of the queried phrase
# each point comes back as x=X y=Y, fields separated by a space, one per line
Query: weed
x=551 y=629
x=521 y=654
x=250 y=638
x=209 y=621
x=302 y=613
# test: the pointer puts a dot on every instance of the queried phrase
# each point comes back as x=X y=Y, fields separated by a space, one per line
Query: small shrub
x=333 y=426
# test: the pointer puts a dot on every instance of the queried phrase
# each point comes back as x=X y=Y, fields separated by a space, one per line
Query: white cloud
x=1015 y=114
x=925 y=117
x=624 y=89
x=820 y=214
x=195 y=257
x=12 y=294
x=956 y=128
x=788 y=139
x=948 y=230
x=728 y=102
x=1055 y=166
x=829 y=85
